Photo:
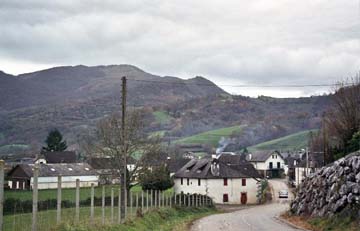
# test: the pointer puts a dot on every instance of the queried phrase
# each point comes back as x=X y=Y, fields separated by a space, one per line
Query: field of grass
x=13 y=148
x=162 y=117
x=210 y=137
x=47 y=219
x=164 y=219
x=67 y=194
x=291 y=142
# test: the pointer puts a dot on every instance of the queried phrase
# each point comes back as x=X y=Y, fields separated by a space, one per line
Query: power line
x=240 y=85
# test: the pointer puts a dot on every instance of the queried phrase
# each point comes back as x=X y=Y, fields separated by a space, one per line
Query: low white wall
x=215 y=189
x=66 y=182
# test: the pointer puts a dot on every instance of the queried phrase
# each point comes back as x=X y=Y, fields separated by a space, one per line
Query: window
x=270 y=165
x=243 y=182
x=182 y=181
x=199 y=182
x=187 y=181
x=225 y=197
x=225 y=181
x=278 y=164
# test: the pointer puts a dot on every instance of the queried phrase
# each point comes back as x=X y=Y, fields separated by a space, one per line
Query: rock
x=329 y=190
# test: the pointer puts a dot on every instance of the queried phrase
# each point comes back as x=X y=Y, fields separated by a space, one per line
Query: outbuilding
x=21 y=176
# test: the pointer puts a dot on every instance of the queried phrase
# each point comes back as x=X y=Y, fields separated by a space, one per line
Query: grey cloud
x=241 y=42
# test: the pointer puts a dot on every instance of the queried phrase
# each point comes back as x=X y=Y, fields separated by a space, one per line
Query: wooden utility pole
x=123 y=137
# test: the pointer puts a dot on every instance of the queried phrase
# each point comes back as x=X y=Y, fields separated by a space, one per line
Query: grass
x=13 y=147
x=160 y=133
x=334 y=224
x=291 y=142
x=210 y=137
x=162 y=117
x=345 y=220
x=164 y=219
x=67 y=194
x=156 y=219
x=47 y=219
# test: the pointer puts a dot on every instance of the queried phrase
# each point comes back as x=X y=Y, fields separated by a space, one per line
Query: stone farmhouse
x=269 y=164
x=21 y=176
x=227 y=179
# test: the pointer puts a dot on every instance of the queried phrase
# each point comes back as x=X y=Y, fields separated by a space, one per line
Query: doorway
x=243 y=198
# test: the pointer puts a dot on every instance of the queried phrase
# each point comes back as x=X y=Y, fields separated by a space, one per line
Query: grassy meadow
x=68 y=193
x=210 y=137
x=294 y=141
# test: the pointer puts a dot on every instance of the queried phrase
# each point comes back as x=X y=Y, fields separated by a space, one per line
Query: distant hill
x=294 y=141
x=74 y=98
x=83 y=83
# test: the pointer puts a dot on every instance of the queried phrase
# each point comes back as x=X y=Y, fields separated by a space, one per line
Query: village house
x=56 y=157
x=106 y=169
x=227 y=179
x=308 y=165
x=21 y=176
x=268 y=163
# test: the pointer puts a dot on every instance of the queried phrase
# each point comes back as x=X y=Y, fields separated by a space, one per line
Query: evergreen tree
x=158 y=178
x=54 y=142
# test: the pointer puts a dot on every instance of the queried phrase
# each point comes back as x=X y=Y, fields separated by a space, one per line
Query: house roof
x=60 y=157
x=175 y=165
x=202 y=169
x=261 y=156
x=106 y=162
x=64 y=169
x=231 y=158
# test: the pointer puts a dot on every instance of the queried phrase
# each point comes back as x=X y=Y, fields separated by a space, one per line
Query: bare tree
x=340 y=122
x=344 y=116
x=139 y=146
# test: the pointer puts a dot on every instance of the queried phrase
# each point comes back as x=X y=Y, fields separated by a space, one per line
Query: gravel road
x=256 y=218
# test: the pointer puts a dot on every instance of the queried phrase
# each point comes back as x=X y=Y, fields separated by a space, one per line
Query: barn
x=21 y=176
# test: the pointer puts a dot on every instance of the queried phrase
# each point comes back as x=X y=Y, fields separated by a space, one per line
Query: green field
x=157 y=219
x=47 y=219
x=210 y=137
x=162 y=117
x=291 y=142
x=13 y=148
x=67 y=194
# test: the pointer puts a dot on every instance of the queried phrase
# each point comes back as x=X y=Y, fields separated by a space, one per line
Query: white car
x=283 y=193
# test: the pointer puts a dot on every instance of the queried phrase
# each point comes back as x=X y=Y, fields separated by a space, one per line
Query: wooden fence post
x=142 y=200
x=147 y=200
x=119 y=207
x=155 y=198
x=112 y=205
x=131 y=204
x=152 y=198
x=137 y=202
x=103 y=205
x=35 y=198
x=77 y=201
x=58 y=211
x=2 y=166
x=92 y=203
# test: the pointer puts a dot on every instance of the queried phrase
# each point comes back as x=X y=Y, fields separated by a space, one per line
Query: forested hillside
x=73 y=99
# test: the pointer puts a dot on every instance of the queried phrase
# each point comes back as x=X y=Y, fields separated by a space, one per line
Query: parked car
x=283 y=193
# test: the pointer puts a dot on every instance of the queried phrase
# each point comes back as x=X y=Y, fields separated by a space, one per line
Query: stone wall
x=331 y=189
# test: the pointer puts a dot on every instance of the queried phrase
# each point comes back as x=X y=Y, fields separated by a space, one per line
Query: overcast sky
x=257 y=42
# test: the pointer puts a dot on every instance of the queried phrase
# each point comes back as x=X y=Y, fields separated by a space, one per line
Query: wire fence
x=28 y=210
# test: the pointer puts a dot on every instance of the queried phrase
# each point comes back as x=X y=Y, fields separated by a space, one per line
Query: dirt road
x=257 y=218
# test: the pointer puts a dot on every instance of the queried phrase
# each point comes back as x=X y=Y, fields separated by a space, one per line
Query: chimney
x=250 y=156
